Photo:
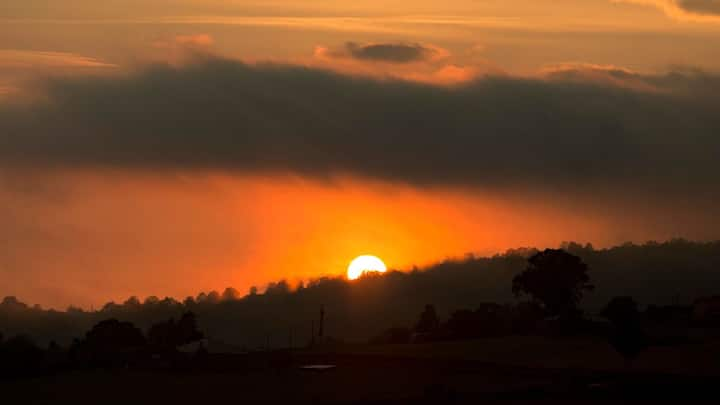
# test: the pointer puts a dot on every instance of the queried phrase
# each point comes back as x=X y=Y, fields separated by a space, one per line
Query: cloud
x=701 y=6
x=387 y=52
x=18 y=67
x=182 y=49
x=6 y=90
x=688 y=10
x=414 y=62
x=24 y=59
x=612 y=75
x=547 y=133
x=196 y=41
x=445 y=75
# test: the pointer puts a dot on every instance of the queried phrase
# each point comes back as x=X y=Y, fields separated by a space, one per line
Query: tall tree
x=555 y=279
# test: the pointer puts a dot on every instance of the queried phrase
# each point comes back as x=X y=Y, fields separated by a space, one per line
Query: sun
x=365 y=264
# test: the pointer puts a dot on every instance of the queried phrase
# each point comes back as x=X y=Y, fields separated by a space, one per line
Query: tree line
x=659 y=274
x=554 y=283
x=110 y=343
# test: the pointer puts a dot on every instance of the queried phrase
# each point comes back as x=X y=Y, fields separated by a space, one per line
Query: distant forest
x=673 y=272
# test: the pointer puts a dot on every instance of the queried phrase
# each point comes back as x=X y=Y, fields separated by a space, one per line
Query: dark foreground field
x=465 y=372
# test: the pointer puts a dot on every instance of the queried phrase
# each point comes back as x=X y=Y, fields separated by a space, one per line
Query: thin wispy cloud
x=20 y=59
x=410 y=25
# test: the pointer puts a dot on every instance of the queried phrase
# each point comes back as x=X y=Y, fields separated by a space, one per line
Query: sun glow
x=365 y=264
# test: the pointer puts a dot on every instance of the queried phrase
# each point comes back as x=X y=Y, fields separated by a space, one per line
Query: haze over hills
x=673 y=272
x=272 y=201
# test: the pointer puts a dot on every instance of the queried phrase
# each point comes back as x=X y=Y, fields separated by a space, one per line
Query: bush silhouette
x=428 y=321
x=628 y=337
x=20 y=356
x=488 y=320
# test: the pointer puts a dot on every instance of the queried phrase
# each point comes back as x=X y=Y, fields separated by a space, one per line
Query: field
x=517 y=368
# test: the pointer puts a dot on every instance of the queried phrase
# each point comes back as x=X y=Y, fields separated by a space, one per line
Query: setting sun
x=364 y=264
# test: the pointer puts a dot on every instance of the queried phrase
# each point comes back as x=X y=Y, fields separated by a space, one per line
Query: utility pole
x=322 y=322
x=312 y=333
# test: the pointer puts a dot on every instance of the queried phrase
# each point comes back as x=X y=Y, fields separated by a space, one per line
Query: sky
x=168 y=147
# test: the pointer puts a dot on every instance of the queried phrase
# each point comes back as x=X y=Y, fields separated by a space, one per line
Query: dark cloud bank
x=700 y=6
x=557 y=132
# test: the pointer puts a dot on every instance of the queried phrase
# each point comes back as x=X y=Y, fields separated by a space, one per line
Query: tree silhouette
x=428 y=321
x=187 y=329
x=486 y=320
x=452 y=284
x=213 y=297
x=53 y=346
x=556 y=279
x=115 y=343
x=628 y=337
x=162 y=334
x=13 y=304
x=171 y=334
x=622 y=312
x=20 y=355
x=231 y=294
x=113 y=334
x=464 y=324
x=109 y=343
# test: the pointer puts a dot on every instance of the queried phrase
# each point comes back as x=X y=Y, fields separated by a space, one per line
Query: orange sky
x=518 y=36
x=85 y=237
x=111 y=235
